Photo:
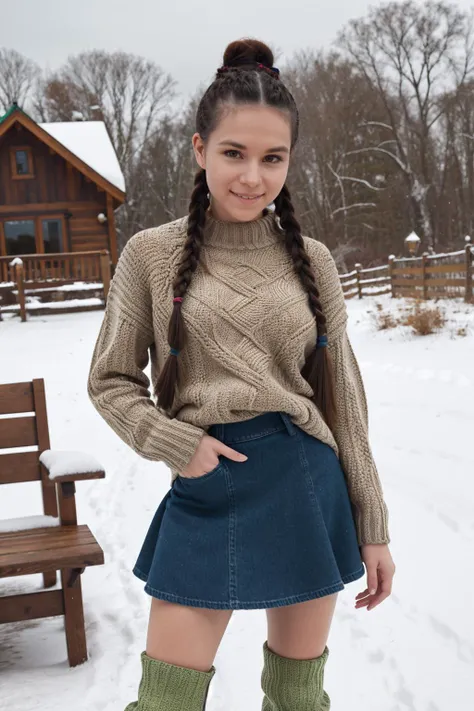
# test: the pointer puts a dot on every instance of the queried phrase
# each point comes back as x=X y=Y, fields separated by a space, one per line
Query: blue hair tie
x=174 y=351
x=322 y=341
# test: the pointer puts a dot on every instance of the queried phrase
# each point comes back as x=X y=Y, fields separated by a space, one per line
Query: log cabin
x=60 y=184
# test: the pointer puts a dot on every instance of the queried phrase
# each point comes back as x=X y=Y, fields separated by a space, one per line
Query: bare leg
x=301 y=631
x=185 y=636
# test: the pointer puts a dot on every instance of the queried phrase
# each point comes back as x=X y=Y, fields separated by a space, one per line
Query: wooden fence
x=37 y=271
x=427 y=277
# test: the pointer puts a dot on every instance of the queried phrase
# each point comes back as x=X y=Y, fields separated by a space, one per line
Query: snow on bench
x=27 y=523
x=64 y=463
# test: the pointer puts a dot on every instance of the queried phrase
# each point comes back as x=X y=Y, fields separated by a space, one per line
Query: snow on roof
x=90 y=142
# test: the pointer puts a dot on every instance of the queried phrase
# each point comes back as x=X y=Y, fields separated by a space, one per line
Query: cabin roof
x=88 y=141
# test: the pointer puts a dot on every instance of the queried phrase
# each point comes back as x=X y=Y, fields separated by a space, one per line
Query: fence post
x=105 y=271
x=424 y=258
x=359 y=285
x=391 y=265
x=469 y=269
x=20 y=284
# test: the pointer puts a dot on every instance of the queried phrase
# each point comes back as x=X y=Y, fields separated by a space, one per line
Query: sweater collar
x=262 y=232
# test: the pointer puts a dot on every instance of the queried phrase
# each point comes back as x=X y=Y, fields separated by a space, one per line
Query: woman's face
x=246 y=159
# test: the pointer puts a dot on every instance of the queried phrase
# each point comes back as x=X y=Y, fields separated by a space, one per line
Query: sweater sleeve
x=117 y=386
x=352 y=429
x=352 y=437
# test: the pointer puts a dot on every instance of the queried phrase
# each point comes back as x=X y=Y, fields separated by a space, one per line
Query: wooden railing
x=36 y=271
x=426 y=277
x=67 y=267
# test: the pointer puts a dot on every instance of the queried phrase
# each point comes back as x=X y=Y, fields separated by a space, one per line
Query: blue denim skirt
x=274 y=530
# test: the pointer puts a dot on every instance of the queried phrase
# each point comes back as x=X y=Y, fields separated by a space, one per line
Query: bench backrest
x=31 y=429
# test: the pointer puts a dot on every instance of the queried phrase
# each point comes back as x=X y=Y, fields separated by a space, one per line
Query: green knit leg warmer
x=294 y=684
x=166 y=687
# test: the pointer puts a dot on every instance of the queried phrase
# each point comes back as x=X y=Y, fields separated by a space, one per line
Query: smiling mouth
x=247 y=197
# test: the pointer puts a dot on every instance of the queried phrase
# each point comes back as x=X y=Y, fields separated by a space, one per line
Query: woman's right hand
x=206 y=457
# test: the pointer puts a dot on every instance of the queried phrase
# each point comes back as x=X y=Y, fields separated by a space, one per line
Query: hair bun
x=248 y=51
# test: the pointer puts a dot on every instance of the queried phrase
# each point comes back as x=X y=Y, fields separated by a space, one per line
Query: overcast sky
x=185 y=37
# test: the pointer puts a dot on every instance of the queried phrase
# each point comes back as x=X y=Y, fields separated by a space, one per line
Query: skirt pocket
x=203 y=477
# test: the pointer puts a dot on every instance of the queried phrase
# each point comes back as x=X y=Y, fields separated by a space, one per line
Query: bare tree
x=338 y=196
x=61 y=100
x=18 y=75
x=456 y=165
x=413 y=54
x=127 y=92
x=162 y=182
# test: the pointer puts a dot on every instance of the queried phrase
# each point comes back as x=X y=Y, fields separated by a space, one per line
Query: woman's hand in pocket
x=206 y=457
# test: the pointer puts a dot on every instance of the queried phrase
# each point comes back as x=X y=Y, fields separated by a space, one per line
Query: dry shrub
x=383 y=320
x=423 y=319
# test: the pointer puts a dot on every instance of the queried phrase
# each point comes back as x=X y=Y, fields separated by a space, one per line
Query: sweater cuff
x=174 y=444
x=371 y=525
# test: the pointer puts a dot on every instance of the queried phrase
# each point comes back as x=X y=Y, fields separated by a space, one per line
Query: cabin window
x=20 y=236
x=52 y=236
x=21 y=163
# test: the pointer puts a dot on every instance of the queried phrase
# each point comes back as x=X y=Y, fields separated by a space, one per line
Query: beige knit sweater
x=249 y=330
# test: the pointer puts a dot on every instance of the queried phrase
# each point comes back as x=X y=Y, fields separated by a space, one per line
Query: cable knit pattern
x=250 y=329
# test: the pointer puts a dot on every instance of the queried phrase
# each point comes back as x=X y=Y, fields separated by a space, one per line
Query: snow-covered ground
x=415 y=652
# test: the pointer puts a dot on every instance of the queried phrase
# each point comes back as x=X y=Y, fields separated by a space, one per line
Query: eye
x=278 y=159
x=235 y=153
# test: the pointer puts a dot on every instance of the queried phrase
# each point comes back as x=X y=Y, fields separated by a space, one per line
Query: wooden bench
x=50 y=543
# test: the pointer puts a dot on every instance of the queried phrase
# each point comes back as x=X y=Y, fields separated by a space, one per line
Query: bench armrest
x=63 y=466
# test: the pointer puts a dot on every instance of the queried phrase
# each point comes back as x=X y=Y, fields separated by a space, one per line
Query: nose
x=251 y=175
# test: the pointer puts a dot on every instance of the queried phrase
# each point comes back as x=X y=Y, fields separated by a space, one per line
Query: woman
x=261 y=415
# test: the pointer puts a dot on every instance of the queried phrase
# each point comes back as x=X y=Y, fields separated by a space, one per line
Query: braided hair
x=247 y=76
